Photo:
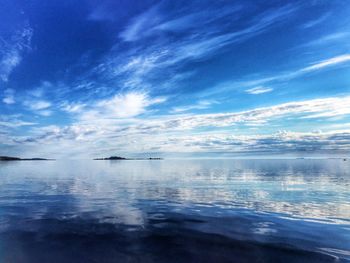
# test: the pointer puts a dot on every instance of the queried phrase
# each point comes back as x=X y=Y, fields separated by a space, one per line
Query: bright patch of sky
x=174 y=78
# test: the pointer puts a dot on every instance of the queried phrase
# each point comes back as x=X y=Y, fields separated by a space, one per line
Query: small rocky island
x=10 y=158
x=122 y=158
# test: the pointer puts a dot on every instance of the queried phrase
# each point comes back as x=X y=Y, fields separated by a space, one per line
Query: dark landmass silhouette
x=10 y=158
x=122 y=158
x=337 y=158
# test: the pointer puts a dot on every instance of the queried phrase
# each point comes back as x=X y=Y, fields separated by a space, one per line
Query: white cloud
x=39 y=91
x=116 y=124
x=138 y=67
x=153 y=21
x=136 y=70
x=259 y=90
x=8 y=62
x=73 y=107
x=13 y=121
x=9 y=96
x=44 y=112
x=120 y=106
x=87 y=141
x=330 y=107
x=333 y=37
x=141 y=25
x=324 y=108
x=8 y=100
x=276 y=143
x=124 y=105
x=11 y=51
x=284 y=76
x=37 y=105
x=183 y=23
x=316 y=21
x=16 y=123
x=327 y=63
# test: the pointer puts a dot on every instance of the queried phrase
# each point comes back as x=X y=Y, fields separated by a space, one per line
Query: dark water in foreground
x=175 y=211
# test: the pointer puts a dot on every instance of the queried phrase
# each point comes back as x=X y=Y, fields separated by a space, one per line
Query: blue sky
x=174 y=78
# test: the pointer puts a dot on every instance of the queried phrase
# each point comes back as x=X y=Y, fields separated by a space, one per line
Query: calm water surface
x=175 y=211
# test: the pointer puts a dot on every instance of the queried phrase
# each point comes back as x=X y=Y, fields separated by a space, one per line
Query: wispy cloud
x=13 y=121
x=327 y=63
x=259 y=90
x=159 y=57
x=154 y=22
x=110 y=121
x=283 y=142
x=327 y=39
x=281 y=77
x=37 y=104
x=11 y=51
x=16 y=123
x=39 y=91
x=73 y=107
x=316 y=21
x=44 y=113
x=141 y=25
x=327 y=107
x=39 y=107
x=9 y=96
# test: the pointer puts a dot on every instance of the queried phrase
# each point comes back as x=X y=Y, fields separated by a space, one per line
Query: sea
x=175 y=210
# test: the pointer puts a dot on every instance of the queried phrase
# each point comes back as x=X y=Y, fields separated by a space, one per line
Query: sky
x=84 y=79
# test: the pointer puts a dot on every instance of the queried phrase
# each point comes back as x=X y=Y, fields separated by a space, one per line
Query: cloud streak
x=259 y=90
x=137 y=68
x=327 y=63
x=282 y=77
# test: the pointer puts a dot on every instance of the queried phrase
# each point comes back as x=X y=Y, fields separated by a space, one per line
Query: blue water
x=175 y=211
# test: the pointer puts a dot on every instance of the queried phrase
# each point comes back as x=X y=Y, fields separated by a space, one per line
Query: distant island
x=337 y=158
x=9 y=158
x=122 y=158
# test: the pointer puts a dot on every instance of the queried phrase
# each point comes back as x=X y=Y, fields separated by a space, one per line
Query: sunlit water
x=175 y=211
